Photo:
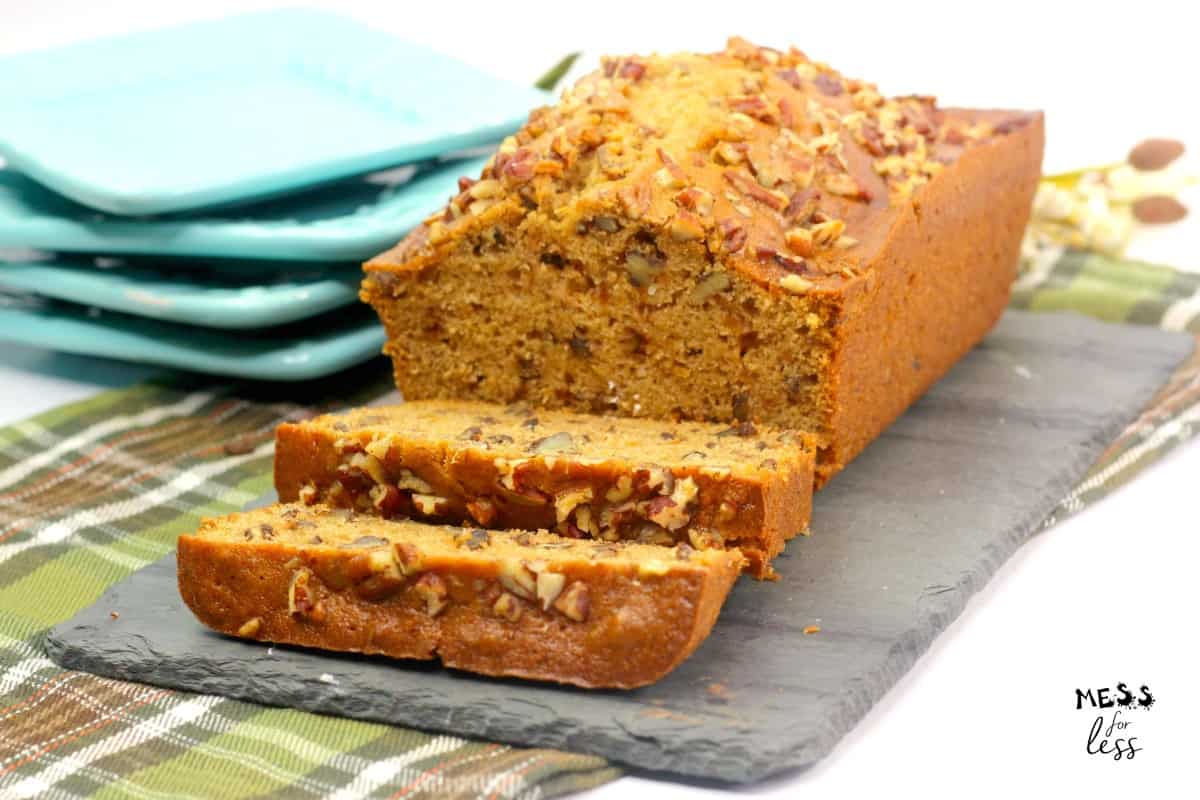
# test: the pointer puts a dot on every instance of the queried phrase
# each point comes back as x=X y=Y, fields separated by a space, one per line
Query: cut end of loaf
x=520 y=604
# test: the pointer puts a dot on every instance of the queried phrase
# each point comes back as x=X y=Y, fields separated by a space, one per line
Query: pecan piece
x=364 y=541
x=429 y=505
x=388 y=500
x=555 y=443
x=790 y=263
x=685 y=227
x=632 y=69
x=795 y=284
x=576 y=602
x=709 y=284
x=549 y=587
x=432 y=589
x=408 y=558
x=250 y=627
x=733 y=236
x=790 y=77
x=473 y=540
x=752 y=189
x=829 y=85
x=384 y=576
x=642 y=268
x=840 y=183
x=756 y=106
x=800 y=240
x=482 y=510
x=302 y=597
x=696 y=199
x=567 y=500
x=802 y=204
x=507 y=607
x=516 y=578
x=365 y=462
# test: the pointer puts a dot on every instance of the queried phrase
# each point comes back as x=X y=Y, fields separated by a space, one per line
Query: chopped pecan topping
x=840 y=183
x=795 y=284
x=753 y=190
x=800 y=240
x=790 y=77
x=790 y=263
x=802 y=204
x=696 y=199
x=686 y=227
x=733 y=236
x=756 y=106
x=827 y=233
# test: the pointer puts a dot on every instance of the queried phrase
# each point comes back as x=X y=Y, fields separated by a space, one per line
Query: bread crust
x=617 y=619
x=939 y=283
x=740 y=486
x=746 y=235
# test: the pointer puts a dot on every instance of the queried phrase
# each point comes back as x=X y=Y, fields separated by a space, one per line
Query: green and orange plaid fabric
x=93 y=491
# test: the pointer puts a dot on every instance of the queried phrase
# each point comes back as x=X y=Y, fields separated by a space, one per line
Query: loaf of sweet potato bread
x=744 y=235
x=522 y=604
x=583 y=476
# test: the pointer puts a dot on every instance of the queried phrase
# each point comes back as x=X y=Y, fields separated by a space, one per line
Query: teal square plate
x=349 y=220
x=194 y=294
x=217 y=113
x=309 y=349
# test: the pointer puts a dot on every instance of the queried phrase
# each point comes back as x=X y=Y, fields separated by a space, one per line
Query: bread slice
x=742 y=235
x=522 y=604
x=609 y=478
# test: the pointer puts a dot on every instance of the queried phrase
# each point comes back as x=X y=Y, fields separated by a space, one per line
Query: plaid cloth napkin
x=93 y=491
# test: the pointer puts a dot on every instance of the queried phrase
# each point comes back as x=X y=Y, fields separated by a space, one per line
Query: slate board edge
x=716 y=761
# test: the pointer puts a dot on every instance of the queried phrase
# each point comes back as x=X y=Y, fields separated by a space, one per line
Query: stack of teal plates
x=202 y=197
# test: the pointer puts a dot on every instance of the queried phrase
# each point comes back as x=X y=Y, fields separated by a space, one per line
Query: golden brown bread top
x=786 y=170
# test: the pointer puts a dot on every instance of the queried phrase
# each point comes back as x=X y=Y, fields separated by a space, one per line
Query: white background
x=1108 y=596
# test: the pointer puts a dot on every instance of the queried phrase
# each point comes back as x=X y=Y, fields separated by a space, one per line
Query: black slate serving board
x=901 y=540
